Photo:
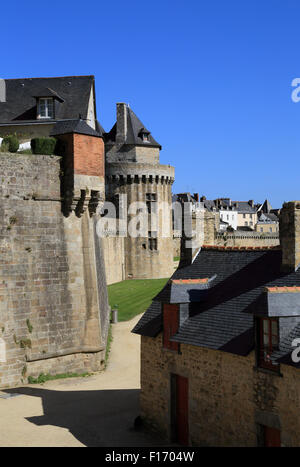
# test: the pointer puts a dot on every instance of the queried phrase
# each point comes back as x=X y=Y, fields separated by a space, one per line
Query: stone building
x=134 y=174
x=267 y=223
x=34 y=105
x=218 y=360
x=54 y=312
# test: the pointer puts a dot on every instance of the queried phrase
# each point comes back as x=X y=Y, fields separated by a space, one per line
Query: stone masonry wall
x=228 y=398
x=254 y=239
x=114 y=257
x=51 y=312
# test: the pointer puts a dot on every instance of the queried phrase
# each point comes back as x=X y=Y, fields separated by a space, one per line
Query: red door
x=182 y=410
x=271 y=437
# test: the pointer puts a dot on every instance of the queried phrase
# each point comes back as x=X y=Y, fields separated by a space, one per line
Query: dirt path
x=95 y=411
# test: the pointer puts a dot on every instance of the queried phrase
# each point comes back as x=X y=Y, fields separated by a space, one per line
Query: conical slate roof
x=135 y=128
x=266 y=207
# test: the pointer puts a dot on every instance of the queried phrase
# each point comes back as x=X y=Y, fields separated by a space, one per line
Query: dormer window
x=45 y=107
x=144 y=135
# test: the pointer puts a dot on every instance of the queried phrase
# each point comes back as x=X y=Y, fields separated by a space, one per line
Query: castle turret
x=133 y=169
x=289 y=228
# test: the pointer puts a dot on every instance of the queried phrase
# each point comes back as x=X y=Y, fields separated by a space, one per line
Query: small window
x=150 y=199
x=244 y=216
x=246 y=223
x=270 y=229
x=261 y=229
x=170 y=325
x=152 y=241
x=45 y=108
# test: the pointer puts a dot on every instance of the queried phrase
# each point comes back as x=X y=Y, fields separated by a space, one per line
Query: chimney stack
x=121 y=122
x=289 y=230
x=196 y=197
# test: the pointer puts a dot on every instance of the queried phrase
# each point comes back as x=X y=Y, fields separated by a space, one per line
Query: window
x=46 y=108
x=152 y=241
x=268 y=342
x=170 y=325
x=250 y=216
x=151 y=198
x=261 y=229
x=246 y=223
x=270 y=229
x=244 y=216
x=144 y=135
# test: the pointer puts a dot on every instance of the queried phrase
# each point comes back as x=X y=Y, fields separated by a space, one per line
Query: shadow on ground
x=95 y=418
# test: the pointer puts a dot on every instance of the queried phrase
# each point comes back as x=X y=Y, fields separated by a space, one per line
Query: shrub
x=11 y=142
x=4 y=147
x=43 y=145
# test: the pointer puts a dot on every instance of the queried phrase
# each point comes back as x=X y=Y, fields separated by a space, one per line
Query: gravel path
x=94 y=411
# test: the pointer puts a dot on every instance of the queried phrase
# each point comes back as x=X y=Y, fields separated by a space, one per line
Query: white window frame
x=47 y=100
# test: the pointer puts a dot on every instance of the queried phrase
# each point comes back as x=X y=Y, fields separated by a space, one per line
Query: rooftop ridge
x=190 y=281
x=240 y=248
x=283 y=289
x=50 y=77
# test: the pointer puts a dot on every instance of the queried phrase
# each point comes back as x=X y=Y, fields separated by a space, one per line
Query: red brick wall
x=88 y=155
x=84 y=154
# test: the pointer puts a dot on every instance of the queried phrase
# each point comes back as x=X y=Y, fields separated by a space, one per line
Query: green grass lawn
x=133 y=296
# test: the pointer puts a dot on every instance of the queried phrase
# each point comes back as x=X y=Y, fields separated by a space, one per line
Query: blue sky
x=210 y=79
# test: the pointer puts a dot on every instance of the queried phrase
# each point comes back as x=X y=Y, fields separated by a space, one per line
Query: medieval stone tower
x=133 y=169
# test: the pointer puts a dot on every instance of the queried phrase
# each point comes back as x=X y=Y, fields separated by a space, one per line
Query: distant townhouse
x=237 y=214
x=247 y=214
x=268 y=221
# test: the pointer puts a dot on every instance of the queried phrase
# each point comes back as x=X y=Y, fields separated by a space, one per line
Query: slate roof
x=229 y=205
x=72 y=95
x=267 y=218
x=266 y=206
x=223 y=320
x=73 y=126
x=133 y=137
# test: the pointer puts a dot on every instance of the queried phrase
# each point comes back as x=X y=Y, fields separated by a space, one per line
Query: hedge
x=10 y=142
x=43 y=146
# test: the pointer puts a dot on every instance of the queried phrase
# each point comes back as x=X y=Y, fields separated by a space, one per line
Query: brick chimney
x=289 y=229
x=121 y=122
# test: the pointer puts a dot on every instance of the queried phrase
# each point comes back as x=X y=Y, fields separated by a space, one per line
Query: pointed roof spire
x=129 y=129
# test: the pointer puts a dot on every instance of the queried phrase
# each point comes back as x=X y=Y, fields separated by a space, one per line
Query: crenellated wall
x=54 y=312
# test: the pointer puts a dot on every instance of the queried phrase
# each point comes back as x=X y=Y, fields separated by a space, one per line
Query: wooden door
x=271 y=437
x=180 y=416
